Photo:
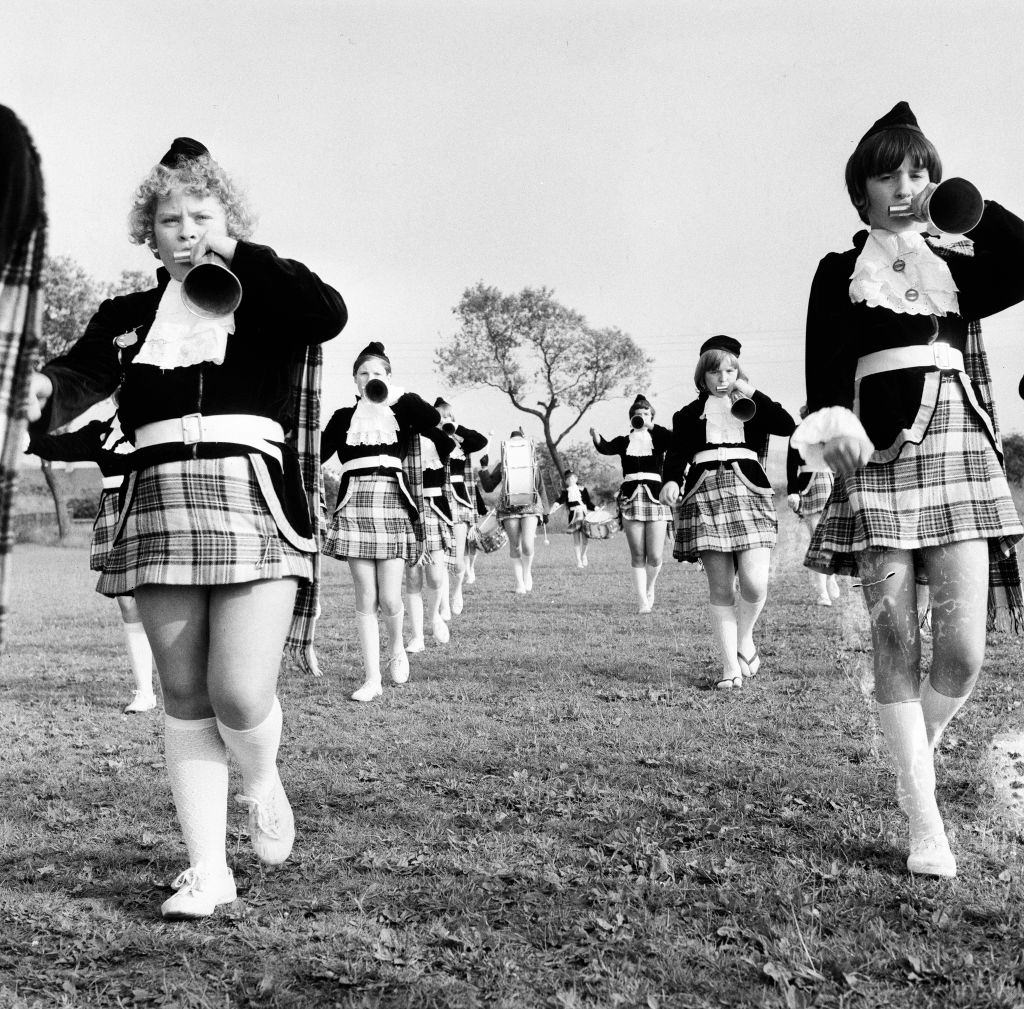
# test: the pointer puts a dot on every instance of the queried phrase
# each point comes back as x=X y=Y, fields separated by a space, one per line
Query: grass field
x=556 y=811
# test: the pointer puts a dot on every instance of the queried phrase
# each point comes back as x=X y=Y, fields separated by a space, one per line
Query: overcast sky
x=672 y=169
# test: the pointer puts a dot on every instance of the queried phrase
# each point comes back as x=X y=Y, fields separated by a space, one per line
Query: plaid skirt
x=103 y=529
x=948 y=488
x=438 y=533
x=642 y=507
x=723 y=513
x=462 y=512
x=577 y=519
x=814 y=497
x=372 y=523
x=199 y=522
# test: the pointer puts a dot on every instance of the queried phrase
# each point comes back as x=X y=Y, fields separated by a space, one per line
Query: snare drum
x=600 y=525
x=490 y=535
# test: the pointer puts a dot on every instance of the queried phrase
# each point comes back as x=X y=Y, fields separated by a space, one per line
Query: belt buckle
x=722 y=454
x=941 y=353
x=192 y=428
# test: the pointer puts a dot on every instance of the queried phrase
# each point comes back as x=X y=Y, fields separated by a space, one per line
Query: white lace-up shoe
x=141 y=701
x=198 y=894
x=931 y=857
x=271 y=825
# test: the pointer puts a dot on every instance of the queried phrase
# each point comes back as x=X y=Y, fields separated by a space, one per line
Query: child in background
x=577 y=500
x=726 y=514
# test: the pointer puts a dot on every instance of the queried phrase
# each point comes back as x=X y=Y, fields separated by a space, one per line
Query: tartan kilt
x=577 y=519
x=949 y=488
x=815 y=495
x=372 y=523
x=103 y=529
x=642 y=507
x=439 y=535
x=462 y=512
x=199 y=522
x=723 y=514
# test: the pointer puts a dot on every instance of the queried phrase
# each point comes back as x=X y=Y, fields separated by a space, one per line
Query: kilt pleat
x=947 y=489
x=199 y=522
x=437 y=531
x=815 y=495
x=642 y=507
x=372 y=523
x=103 y=529
x=723 y=514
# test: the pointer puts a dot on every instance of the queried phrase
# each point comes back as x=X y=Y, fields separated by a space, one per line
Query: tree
x=540 y=354
x=70 y=297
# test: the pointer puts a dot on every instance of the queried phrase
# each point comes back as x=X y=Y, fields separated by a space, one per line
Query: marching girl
x=483 y=506
x=461 y=495
x=439 y=540
x=214 y=535
x=103 y=442
x=518 y=520
x=892 y=335
x=726 y=515
x=644 y=518
x=576 y=499
x=807 y=491
x=377 y=525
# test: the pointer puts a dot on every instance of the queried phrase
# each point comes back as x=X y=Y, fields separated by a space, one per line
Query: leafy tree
x=70 y=297
x=540 y=354
x=1013 y=457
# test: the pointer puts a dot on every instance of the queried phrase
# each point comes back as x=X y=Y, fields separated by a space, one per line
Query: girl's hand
x=40 y=389
x=669 y=493
x=743 y=387
x=220 y=244
x=846 y=454
x=594 y=436
x=793 y=500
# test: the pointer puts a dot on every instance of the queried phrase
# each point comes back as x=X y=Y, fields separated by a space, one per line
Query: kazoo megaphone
x=742 y=407
x=637 y=422
x=448 y=426
x=376 y=390
x=953 y=207
x=209 y=290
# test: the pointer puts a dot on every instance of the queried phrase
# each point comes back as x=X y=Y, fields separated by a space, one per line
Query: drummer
x=576 y=498
x=519 y=520
x=644 y=518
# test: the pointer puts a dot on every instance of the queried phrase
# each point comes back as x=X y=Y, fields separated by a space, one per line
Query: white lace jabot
x=900 y=272
x=179 y=339
x=640 y=443
x=722 y=427
x=374 y=423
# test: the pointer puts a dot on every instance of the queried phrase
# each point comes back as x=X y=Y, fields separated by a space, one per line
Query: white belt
x=656 y=477
x=112 y=482
x=723 y=454
x=433 y=491
x=237 y=428
x=457 y=478
x=371 y=462
x=934 y=355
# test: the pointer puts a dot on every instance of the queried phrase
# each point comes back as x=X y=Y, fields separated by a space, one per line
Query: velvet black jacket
x=689 y=436
x=661 y=439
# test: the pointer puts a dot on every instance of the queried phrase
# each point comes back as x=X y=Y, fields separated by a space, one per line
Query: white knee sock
x=724 y=618
x=393 y=624
x=434 y=599
x=653 y=570
x=369 y=645
x=907 y=741
x=640 y=583
x=938 y=710
x=527 y=569
x=746 y=617
x=255 y=751
x=414 y=603
x=820 y=582
x=140 y=655
x=197 y=765
x=517 y=570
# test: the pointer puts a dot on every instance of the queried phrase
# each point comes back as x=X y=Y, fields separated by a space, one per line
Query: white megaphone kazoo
x=210 y=290
x=953 y=207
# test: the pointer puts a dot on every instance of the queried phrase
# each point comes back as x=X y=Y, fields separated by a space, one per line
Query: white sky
x=673 y=169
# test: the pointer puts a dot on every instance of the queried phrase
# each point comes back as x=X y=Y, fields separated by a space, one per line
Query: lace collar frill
x=900 y=272
x=179 y=339
x=640 y=443
x=374 y=423
x=722 y=427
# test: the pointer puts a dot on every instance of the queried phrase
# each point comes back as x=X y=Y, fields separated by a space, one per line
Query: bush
x=1013 y=457
x=83 y=507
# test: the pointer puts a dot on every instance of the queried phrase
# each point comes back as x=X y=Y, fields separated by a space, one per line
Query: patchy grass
x=555 y=811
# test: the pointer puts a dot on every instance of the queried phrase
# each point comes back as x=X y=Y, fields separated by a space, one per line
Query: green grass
x=555 y=811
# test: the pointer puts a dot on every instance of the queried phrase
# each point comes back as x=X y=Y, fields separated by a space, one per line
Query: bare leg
x=461 y=529
x=526 y=546
x=654 y=546
x=721 y=572
x=514 y=530
x=636 y=538
x=753 y=578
